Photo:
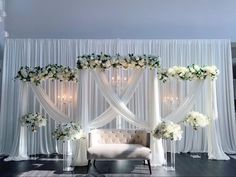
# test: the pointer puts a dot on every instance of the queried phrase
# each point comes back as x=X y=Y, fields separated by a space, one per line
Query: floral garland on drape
x=192 y=72
x=104 y=61
x=53 y=71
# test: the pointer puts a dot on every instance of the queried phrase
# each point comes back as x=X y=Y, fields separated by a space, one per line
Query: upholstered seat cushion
x=119 y=151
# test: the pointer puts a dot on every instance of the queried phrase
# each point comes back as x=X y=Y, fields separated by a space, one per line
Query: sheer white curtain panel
x=87 y=96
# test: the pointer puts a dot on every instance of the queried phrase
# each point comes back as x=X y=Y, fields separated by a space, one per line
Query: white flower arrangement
x=34 y=121
x=68 y=131
x=105 y=61
x=196 y=119
x=37 y=74
x=192 y=72
x=168 y=131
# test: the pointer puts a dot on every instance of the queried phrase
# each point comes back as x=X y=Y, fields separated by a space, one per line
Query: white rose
x=92 y=63
x=125 y=65
x=141 y=62
x=24 y=72
x=192 y=69
x=196 y=67
x=171 y=71
x=108 y=63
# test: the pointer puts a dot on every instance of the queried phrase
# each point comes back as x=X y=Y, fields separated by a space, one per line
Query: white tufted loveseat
x=105 y=144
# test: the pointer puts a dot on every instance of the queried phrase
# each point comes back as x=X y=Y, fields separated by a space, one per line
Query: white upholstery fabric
x=119 y=151
x=105 y=136
x=119 y=144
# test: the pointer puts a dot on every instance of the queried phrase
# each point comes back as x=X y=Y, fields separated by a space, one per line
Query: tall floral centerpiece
x=169 y=132
x=196 y=120
x=33 y=121
x=66 y=133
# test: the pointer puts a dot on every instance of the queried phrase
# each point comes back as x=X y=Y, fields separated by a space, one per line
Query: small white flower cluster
x=192 y=72
x=34 y=121
x=196 y=119
x=37 y=74
x=104 y=61
x=68 y=131
x=168 y=130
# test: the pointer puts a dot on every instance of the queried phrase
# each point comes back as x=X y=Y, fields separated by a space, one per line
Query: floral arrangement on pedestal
x=56 y=72
x=68 y=131
x=168 y=131
x=105 y=61
x=34 y=121
x=192 y=72
x=196 y=119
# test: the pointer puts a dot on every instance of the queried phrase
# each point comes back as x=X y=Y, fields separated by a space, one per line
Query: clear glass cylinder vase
x=195 y=154
x=33 y=145
x=67 y=156
x=169 y=155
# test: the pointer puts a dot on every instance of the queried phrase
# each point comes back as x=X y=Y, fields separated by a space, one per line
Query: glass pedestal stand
x=195 y=154
x=33 y=145
x=169 y=164
x=67 y=156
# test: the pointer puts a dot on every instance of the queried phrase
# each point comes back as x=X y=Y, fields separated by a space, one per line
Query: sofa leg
x=94 y=162
x=149 y=166
x=89 y=161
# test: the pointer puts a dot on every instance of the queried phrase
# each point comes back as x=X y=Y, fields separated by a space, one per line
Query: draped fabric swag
x=137 y=102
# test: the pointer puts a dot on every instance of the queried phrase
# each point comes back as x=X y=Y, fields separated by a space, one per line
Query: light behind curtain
x=20 y=52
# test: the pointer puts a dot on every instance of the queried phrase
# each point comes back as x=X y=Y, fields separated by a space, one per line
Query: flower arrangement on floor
x=53 y=71
x=196 y=119
x=105 y=61
x=34 y=121
x=68 y=131
x=192 y=72
x=168 y=131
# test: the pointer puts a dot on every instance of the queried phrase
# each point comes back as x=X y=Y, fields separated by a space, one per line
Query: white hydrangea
x=196 y=119
x=168 y=130
x=68 y=131
x=34 y=121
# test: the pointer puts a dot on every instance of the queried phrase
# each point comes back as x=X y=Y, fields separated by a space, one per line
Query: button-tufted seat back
x=107 y=136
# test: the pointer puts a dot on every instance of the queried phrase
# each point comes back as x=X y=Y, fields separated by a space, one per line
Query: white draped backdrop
x=97 y=99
